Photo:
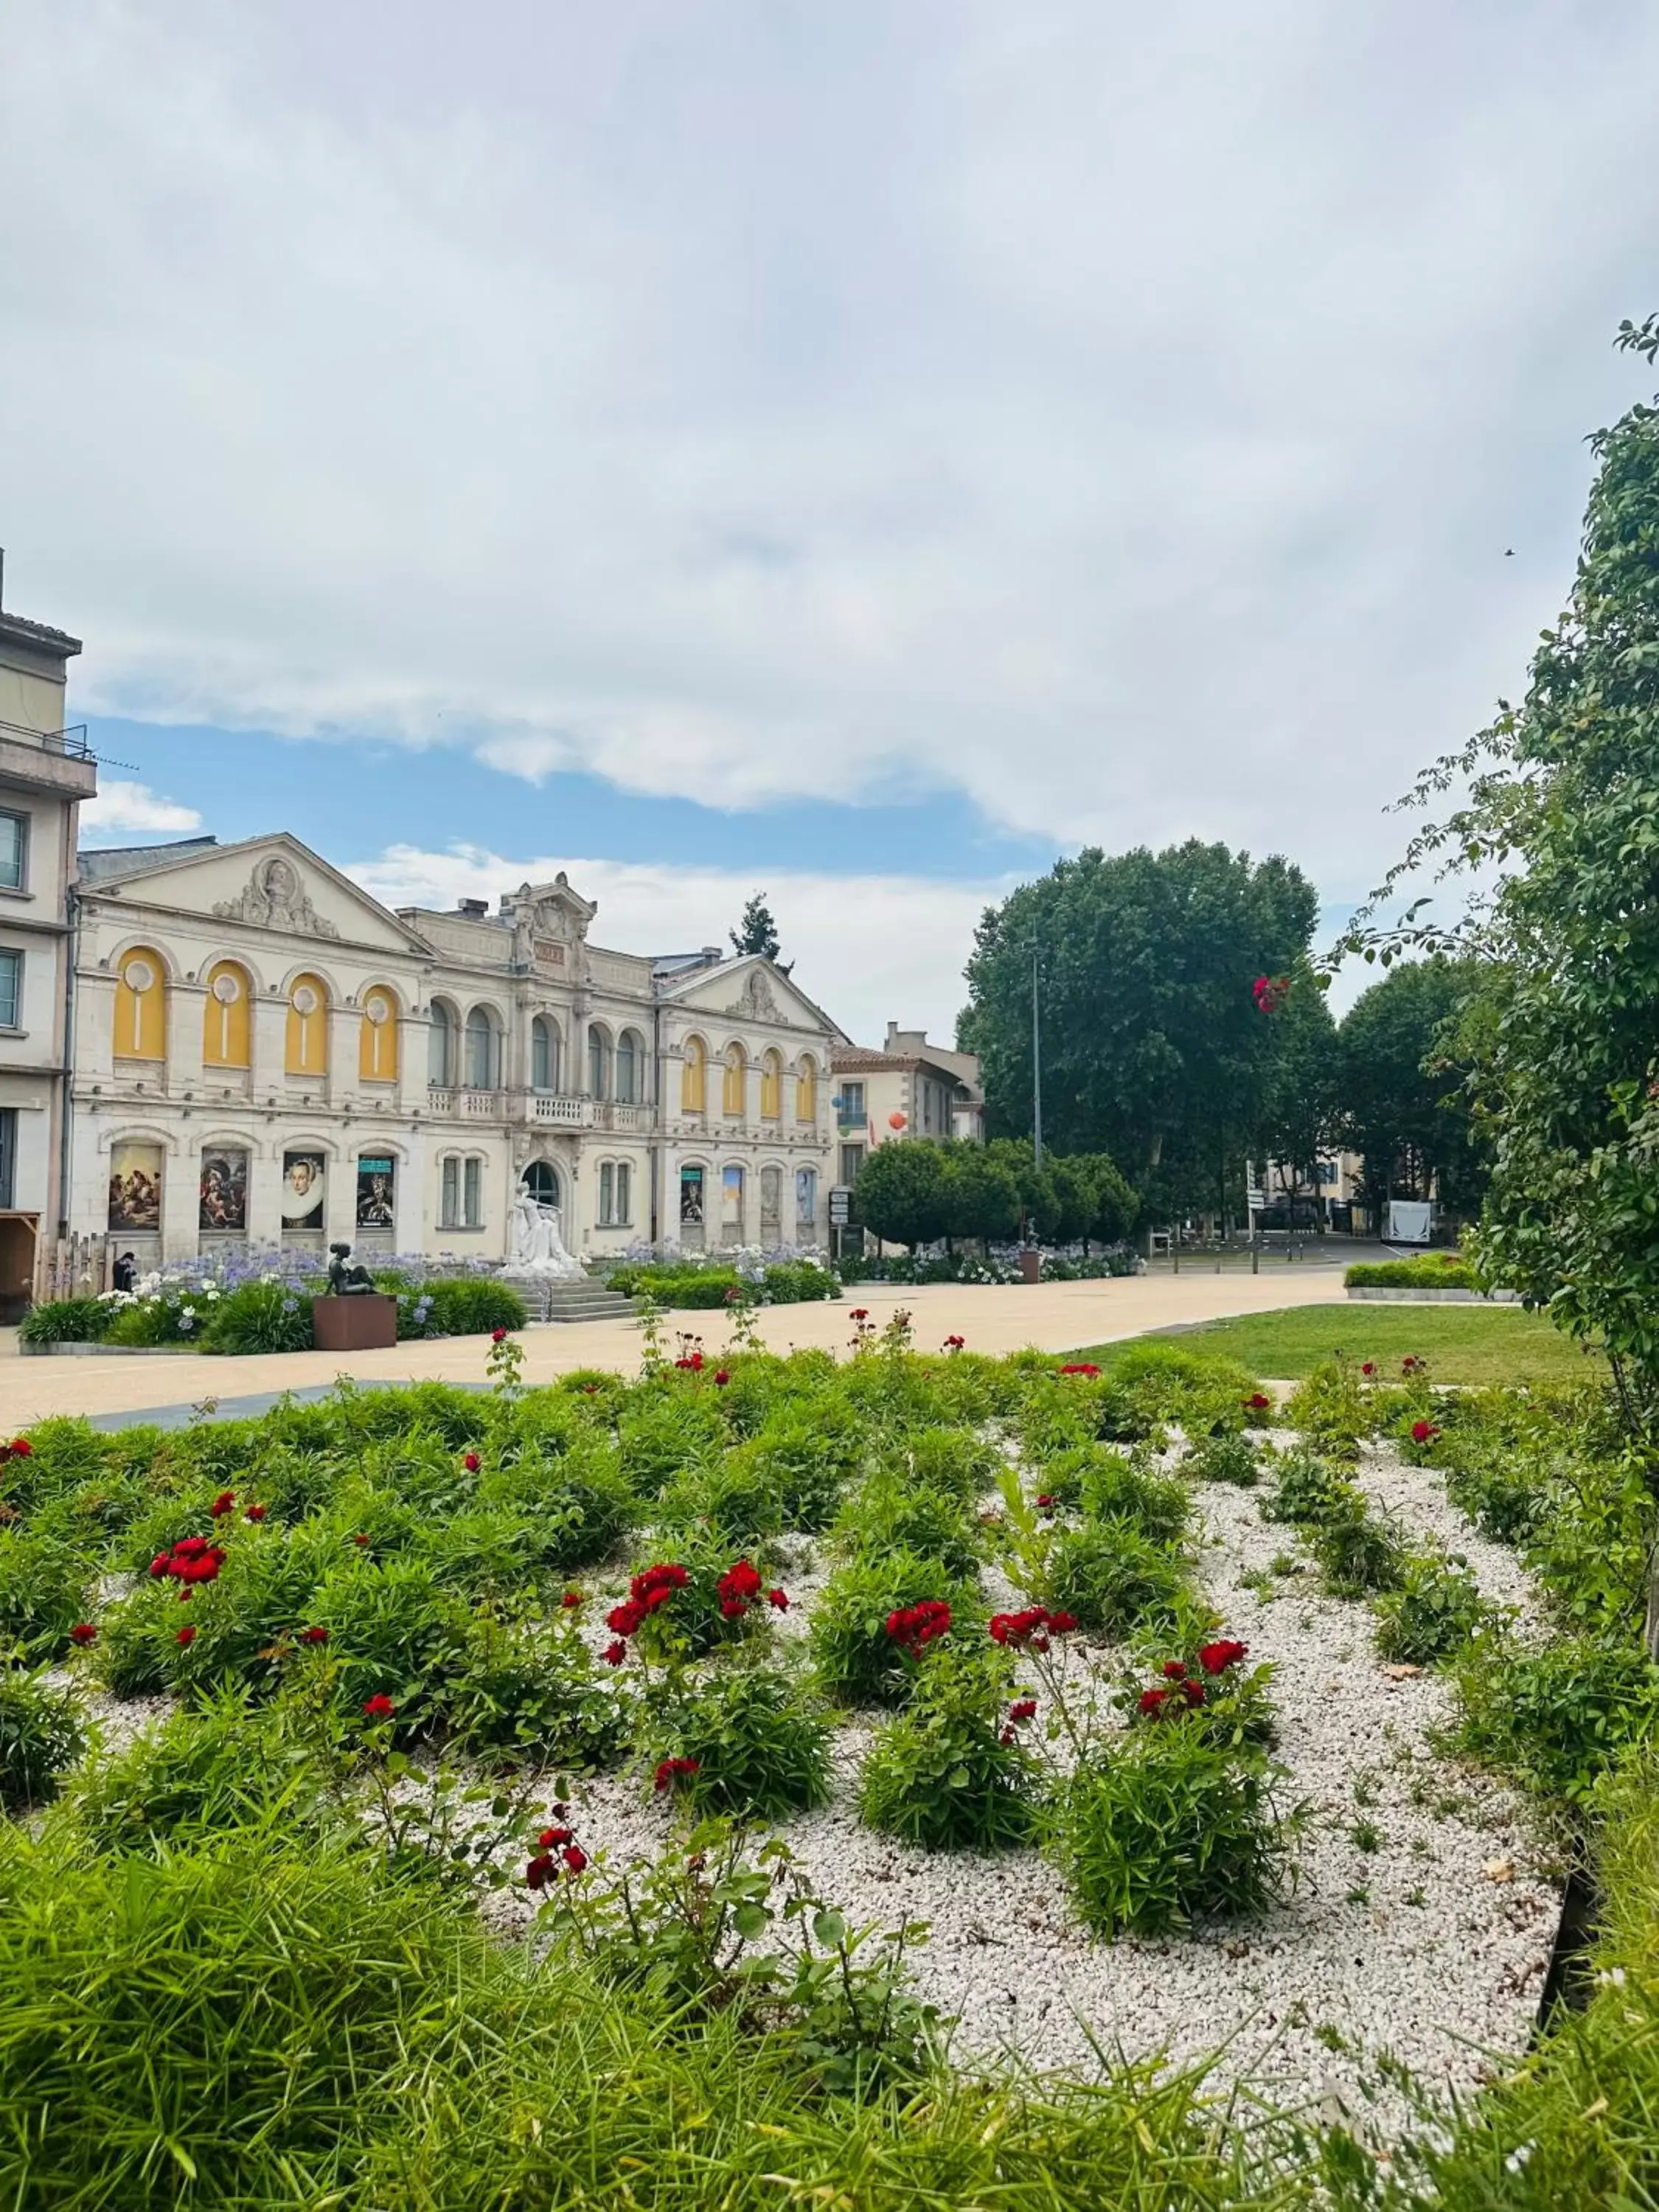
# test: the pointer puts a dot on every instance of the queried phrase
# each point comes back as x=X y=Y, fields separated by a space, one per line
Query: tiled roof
x=34 y=633
x=102 y=863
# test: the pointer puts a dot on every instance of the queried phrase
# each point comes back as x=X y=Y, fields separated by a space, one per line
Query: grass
x=1461 y=1344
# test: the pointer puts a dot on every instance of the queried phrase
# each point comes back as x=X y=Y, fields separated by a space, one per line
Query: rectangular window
x=449 y=1204
x=11 y=989
x=616 y=1195
x=7 y=1156
x=607 y=1196
x=13 y=851
x=851 y=1159
x=472 y=1195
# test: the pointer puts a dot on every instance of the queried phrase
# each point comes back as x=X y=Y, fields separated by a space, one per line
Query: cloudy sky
x=861 y=451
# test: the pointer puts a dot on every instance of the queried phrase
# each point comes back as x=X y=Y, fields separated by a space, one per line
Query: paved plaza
x=1053 y=1317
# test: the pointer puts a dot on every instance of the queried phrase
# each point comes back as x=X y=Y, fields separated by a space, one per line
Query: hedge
x=1428 y=1271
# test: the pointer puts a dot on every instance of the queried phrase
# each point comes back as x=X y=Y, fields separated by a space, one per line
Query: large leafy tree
x=1564 y=803
x=1154 y=1050
x=901 y=1191
x=1402 y=1100
x=756 y=932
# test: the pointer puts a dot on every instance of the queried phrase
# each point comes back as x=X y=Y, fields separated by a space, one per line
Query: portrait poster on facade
x=223 y=1202
x=305 y=1184
x=135 y=1187
x=376 y=1184
x=691 y=1194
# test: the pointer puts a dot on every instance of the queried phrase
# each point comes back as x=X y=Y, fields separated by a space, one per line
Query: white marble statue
x=534 y=1244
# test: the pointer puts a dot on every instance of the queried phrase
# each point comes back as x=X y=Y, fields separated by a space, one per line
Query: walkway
x=1053 y=1317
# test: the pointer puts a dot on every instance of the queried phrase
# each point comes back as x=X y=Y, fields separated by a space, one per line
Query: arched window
x=541 y=1180
x=806 y=1089
x=694 y=1076
x=483 y=1057
x=141 y=1005
x=630 y=1066
x=543 y=1054
x=306 y=1052
x=441 y=1045
x=734 y=1081
x=377 y=1037
x=227 y=1017
x=731 y=1193
x=598 y=1062
x=772 y=1086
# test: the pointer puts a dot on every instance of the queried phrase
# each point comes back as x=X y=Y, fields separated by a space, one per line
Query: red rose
x=1193 y=1692
x=1080 y=1367
x=1062 y=1623
x=22 y=1448
x=1151 y=1701
x=540 y=1871
x=550 y=1839
x=380 y=1707
x=1368 y=1367
x=498 y=1336
x=1022 y=1709
x=1172 y=1670
x=1045 y=1501
x=187 y=1636
x=1424 y=1432
x=614 y=1654
x=223 y=1504
x=1226 y=1652
x=669 y=1770
x=914 y=1626
x=313 y=1636
x=470 y=1461
x=258 y=1512
x=571 y=1598
x=83 y=1633
x=360 y=1540
x=859 y=1312
x=159 y=1564
x=1258 y=1401
x=1007 y=1737
x=625 y=1619
x=780 y=1598
x=575 y=1857
x=722 y=1377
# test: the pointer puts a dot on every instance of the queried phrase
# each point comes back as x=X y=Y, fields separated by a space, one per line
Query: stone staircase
x=547 y=1299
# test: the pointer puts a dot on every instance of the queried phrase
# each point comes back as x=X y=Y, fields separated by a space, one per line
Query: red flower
x=187 y=1636
x=575 y=1857
x=190 y=1547
x=722 y=1377
x=780 y=1598
x=570 y=1599
x=914 y=1626
x=541 y=1871
x=498 y=1336
x=1411 y=1364
x=470 y=1461
x=360 y=1540
x=1022 y=1709
x=1062 y=1623
x=1258 y=1401
x=1007 y=1737
x=1193 y=1692
x=22 y=1448
x=1080 y=1367
x=669 y=1770
x=1226 y=1652
x=1151 y=1701
x=736 y=1587
x=955 y=1343
x=859 y=1312
x=1045 y=1501
x=550 y=1839
x=258 y=1512
x=614 y=1654
x=625 y=1619
x=1172 y=1670
x=1368 y=1367
x=223 y=1504
x=733 y=1608
x=313 y=1636
x=1026 y=1628
x=159 y=1564
x=83 y=1633
x=380 y=1707
x=1424 y=1432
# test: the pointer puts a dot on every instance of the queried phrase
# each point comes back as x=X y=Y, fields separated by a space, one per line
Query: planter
x=361 y=1324
x=1404 y=1295
x=1031 y=1266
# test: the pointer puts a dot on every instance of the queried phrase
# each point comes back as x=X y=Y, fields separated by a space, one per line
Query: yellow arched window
x=734 y=1081
x=141 y=1005
x=307 y=1027
x=227 y=1017
x=772 y=1087
x=377 y=1037
x=694 y=1076
x=806 y=1089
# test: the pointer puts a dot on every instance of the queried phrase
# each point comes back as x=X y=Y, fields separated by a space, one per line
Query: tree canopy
x=1155 y=1050
x=1403 y=1097
x=756 y=932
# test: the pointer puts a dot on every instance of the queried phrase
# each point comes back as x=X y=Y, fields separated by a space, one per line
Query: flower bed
x=1424 y=1271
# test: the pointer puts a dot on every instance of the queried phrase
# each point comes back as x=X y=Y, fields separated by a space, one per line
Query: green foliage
x=900 y=1194
x=1428 y=1271
x=1556 y=1718
x=756 y=932
x=946 y=1773
x=1331 y=1410
x=68 y=1321
x=473 y=1306
x=44 y=1589
x=40 y=1735
x=1113 y=1578
x=1129 y=1493
x=889 y=1515
x=392 y=1632
x=855 y=1660
x=1359 y=1555
x=260 y=1317
x=1400 y=1079
x=1431 y=1613
x=224 y=1763
x=528 y=1691
x=1168 y=1831
x=1226 y=1458
x=708 y=1289
x=762 y=1746
x=1309 y=1491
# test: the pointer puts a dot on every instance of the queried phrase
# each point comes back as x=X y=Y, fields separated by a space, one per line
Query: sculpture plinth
x=361 y=1324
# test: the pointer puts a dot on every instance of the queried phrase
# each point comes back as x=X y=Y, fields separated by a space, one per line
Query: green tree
x=981 y=1195
x=1299 y=1113
x=1402 y=1100
x=756 y=932
x=1154 y=1050
x=1564 y=800
x=900 y=1194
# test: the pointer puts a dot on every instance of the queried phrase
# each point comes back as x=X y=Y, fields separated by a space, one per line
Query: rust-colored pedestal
x=1031 y=1266
x=362 y=1324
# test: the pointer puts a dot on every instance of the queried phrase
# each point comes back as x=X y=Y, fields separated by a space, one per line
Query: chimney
x=474 y=909
x=892 y=1036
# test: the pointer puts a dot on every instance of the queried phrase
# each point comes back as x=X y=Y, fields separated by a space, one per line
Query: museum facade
x=264 y=1054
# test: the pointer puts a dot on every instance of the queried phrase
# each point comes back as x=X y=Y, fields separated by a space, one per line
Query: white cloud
x=1117 y=414
x=868 y=949
x=127 y=805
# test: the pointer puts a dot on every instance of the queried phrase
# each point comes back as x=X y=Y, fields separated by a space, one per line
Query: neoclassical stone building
x=263 y=1053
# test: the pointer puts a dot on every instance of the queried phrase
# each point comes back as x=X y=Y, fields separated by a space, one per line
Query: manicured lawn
x=1461 y=1344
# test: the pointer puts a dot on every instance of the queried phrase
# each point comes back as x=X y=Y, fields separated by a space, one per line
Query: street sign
x=840 y=1206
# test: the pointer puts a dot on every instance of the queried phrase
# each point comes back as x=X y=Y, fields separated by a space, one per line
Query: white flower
x=1518 y=2157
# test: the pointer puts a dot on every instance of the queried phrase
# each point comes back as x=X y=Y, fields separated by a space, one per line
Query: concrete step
x=550 y=1300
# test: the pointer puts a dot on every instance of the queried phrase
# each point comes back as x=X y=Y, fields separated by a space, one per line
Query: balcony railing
x=544 y=1110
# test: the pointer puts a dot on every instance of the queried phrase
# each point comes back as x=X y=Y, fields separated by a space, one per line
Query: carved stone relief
x=276 y=899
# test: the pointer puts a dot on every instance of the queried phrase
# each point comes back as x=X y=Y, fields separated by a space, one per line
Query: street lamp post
x=1037 y=1064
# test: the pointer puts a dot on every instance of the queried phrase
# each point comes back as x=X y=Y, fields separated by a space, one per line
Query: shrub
x=44 y=1584
x=1558 y=1717
x=528 y=1691
x=40 y=1735
x=798 y=1282
x=222 y=1763
x=260 y=1317
x=392 y=1631
x=1155 y=1382
x=889 y=1515
x=1428 y=1271
x=1331 y=1410
x=948 y=1773
x=473 y=1306
x=1168 y=1831
x=1433 y=1613
x=804 y=1452
x=68 y=1321
x=1359 y=1555
x=1230 y=1457
x=664 y=1430
x=682 y=1290
x=732 y=1502
x=761 y=1748
x=1125 y=1490
x=1112 y=1577
x=954 y=1460
x=856 y=1661
x=580 y=1501
x=1503 y=1501
x=1307 y=1492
